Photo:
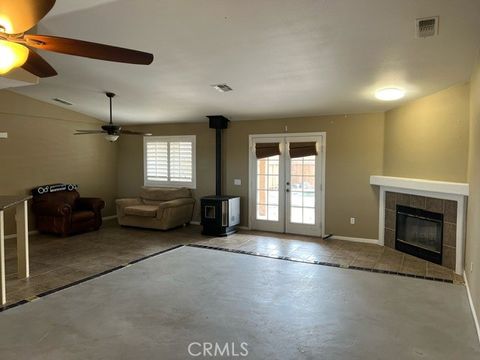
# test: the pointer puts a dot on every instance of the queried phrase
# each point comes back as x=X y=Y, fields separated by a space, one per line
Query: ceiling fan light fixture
x=112 y=137
x=5 y=25
x=12 y=55
x=111 y=131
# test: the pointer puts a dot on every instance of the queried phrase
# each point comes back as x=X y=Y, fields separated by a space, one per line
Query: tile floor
x=344 y=253
x=56 y=262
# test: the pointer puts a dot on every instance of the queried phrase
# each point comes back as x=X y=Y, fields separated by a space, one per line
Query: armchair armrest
x=173 y=204
x=51 y=209
x=176 y=202
x=95 y=204
x=123 y=203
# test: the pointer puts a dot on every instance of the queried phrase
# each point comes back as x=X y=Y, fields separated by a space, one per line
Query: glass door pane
x=267 y=187
x=302 y=190
x=268 y=177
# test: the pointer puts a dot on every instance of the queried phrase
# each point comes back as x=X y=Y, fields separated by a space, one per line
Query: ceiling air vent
x=62 y=101
x=426 y=27
x=222 y=87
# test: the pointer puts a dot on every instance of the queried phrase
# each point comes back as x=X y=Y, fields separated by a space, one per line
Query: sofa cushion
x=164 y=194
x=141 y=210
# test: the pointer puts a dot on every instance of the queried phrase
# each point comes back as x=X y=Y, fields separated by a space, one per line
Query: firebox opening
x=419 y=233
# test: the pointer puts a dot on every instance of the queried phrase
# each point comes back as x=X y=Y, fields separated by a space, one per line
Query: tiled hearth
x=448 y=208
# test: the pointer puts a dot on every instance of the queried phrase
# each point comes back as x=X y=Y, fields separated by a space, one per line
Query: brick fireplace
x=435 y=212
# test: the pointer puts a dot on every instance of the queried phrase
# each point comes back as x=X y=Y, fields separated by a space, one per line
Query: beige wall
x=428 y=138
x=354 y=152
x=41 y=149
x=472 y=251
x=130 y=158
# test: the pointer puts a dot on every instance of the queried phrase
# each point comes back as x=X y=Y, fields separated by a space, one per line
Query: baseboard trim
x=472 y=307
x=13 y=236
x=354 y=239
x=106 y=218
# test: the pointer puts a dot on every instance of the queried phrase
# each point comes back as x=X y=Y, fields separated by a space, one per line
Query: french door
x=286 y=184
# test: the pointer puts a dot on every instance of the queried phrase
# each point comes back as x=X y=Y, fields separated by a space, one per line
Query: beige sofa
x=157 y=208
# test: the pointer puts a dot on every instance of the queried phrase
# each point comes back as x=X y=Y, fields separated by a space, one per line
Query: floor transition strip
x=88 y=278
x=323 y=263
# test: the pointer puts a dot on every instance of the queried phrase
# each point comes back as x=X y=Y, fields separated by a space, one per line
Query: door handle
x=287 y=190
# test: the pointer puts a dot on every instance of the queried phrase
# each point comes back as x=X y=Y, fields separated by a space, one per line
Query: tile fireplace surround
x=447 y=198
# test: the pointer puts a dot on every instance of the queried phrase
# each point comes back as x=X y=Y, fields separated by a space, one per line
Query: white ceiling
x=283 y=58
x=16 y=78
x=67 y=6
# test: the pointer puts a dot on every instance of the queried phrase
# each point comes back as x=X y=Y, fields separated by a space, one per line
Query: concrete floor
x=283 y=310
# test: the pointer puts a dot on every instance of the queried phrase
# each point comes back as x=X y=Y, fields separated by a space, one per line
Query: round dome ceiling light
x=389 y=94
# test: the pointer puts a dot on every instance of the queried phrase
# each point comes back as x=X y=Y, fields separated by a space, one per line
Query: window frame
x=169 y=139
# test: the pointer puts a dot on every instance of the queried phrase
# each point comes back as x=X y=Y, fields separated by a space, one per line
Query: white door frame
x=252 y=169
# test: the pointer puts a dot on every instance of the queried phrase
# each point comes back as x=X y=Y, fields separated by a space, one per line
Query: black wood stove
x=220 y=213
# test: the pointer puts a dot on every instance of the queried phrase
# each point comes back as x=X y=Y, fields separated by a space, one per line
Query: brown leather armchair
x=66 y=213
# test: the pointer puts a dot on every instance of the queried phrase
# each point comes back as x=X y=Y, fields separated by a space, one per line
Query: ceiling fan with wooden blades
x=111 y=131
x=16 y=47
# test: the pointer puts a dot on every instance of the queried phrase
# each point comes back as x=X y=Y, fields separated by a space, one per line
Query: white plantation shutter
x=170 y=161
x=181 y=154
x=157 y=161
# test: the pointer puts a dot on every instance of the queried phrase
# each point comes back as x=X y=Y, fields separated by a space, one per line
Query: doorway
x=287 y=173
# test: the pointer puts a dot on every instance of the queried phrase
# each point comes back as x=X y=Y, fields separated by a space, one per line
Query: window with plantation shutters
x=169 y=161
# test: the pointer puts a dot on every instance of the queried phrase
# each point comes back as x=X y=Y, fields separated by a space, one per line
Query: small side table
x=20 y=202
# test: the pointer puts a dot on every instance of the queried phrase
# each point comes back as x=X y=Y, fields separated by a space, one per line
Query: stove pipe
x=218 y=122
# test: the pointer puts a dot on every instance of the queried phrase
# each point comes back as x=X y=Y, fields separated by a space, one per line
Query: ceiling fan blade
x=88 y=132
x=128 y=132
x=18 y=16
x=88 y=49
x=38 y=66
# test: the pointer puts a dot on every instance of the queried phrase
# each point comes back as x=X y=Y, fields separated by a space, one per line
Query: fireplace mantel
x=428 y=188
x=442 y=187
